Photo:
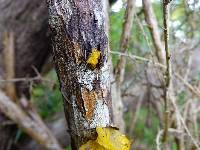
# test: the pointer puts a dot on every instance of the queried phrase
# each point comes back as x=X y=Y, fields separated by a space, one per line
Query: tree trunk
x=80 y=50
x=28 y=21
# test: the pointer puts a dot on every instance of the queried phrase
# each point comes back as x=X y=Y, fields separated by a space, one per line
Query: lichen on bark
x=77 y=30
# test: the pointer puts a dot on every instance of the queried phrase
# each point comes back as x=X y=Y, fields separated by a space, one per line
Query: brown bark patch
x=89 y=99
x=77 y=53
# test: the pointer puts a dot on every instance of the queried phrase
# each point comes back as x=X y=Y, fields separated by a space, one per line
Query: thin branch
x=9 y=64
x=30 y=123
x=125 y=37
x=192 y=89
x=36 y=78
x=168 y=67
x=135 y=57
x=160 y=78
x=119 y=70
x=135 y=114
x=172 y=131
x=153 y=27
x=183 y=123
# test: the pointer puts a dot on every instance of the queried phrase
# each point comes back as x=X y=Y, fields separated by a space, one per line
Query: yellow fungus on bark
x=107 y=139
x=94 y=58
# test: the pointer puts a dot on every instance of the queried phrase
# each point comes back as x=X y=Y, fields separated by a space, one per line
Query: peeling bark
x=117 y=104
x=80 y=51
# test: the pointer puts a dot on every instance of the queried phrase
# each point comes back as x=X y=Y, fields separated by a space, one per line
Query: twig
x=158 y=139
x=194 y=90
x=168 y=67
x=124 y=41
x=36 y=78
x=157 y=44
x=153 y=27
x=151 y=51
x=9 y=64
x=21 y=79
x=135 y=57
x=32 y=126
x=119 y=70
x=6 y=123
x=183 y=123
x=161 y=132
x=36 y=71
x=136 y=113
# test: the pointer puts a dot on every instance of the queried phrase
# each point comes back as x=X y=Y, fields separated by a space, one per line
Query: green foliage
x=48 y=100
x=146 y=129
x=178 y=12
x=127 y=119
x=137 y=38
x=182 y=97
x=68 y=148
x=141 y=132
x=116 y=21
x=158 y=12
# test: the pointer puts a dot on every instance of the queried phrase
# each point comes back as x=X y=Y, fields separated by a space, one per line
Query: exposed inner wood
x=80 y=51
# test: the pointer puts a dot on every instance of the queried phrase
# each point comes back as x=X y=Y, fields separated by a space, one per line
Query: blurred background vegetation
x=143 y=105
x=184 y=29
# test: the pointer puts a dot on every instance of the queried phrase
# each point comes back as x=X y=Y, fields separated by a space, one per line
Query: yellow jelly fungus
x=93 y=58
x=107 y=139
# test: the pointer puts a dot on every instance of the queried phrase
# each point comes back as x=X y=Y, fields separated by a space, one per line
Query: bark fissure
x=80 y=51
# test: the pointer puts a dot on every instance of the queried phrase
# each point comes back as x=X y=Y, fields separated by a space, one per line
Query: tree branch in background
x=169 y=91
x=119 y=70
x=9 y=64
x=168 y=68
x=32 y=79
x=192 y=89
x=124 y=41
x=172 y=98
x=29 y=123
x=153 y=27
x=172 y=131
x=116 y=97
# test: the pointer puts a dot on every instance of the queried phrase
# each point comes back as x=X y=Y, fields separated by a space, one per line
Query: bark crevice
x=80 y=50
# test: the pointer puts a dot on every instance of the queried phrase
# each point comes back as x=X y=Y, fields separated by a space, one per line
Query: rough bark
x=115 y=93
x=80 y=52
